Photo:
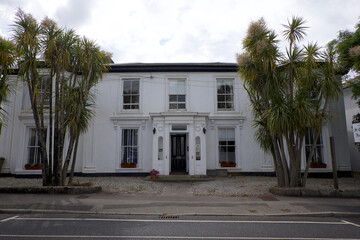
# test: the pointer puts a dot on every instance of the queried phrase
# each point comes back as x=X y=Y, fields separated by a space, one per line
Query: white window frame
x=171 y=79
x=123 y=95
x=232 y=79
x=218 y=143
x=130 y=146
x=318 y=145
x=27 y=142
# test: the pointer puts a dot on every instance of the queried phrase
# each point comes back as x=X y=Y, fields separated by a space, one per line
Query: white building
x=352 y=109
x=172 y=117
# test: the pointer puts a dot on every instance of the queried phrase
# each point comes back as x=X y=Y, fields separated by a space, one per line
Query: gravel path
x=236 y=186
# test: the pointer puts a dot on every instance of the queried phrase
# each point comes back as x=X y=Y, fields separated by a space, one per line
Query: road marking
x=354 y=224
x=177 y=221
x=8 y=219
x=167 y=237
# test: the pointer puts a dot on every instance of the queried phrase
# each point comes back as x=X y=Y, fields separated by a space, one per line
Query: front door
x=178 y=153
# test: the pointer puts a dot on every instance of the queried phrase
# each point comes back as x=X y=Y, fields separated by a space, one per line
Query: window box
x=227 y=164
x=318 y=165
x=32 y=166
x=128 y=165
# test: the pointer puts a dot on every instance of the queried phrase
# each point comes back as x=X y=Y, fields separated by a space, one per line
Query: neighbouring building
x=190 y=118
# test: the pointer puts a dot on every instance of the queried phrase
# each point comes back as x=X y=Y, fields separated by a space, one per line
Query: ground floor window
x=129 y=147
x=227 y=145
x=34 y=154
x=318 y=157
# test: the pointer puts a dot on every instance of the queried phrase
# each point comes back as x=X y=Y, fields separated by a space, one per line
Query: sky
x=183 y=30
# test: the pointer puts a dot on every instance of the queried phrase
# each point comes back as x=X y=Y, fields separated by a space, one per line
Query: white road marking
x=8 y=219
x=177 y=221
x=168 y=237
x=354 y=224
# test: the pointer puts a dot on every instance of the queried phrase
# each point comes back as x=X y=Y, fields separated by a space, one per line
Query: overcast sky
x=182 y=30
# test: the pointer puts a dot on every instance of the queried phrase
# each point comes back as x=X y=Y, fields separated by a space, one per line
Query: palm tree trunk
x=67 y=159
x=74 y=159
x=284 y=163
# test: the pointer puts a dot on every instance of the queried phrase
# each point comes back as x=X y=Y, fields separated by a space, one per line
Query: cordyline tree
x=74 y=66
x=348 y=49
x=7 y=60
x=289 y=93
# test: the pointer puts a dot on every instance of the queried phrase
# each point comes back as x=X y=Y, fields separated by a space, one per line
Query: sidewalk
x=223 y=196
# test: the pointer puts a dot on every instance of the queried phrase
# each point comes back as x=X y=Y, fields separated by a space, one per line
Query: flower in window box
x=128 y=165
x=318 y=165
x=32 y=166
x=227 y=164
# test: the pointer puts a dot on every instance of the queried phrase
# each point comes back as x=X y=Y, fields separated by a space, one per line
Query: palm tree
x=7 y=60
x=279 y=90
x=28 y=47
x=91 y=62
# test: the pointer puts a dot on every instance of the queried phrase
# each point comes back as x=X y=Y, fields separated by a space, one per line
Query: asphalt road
x=175 y=227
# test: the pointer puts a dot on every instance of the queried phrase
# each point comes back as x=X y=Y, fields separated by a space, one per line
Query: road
x=66 y=226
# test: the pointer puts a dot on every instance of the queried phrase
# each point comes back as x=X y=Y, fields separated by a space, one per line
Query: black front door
x=178 y=153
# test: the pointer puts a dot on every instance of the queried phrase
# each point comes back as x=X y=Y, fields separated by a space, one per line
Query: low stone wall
x=53 y=190
x=305 y=192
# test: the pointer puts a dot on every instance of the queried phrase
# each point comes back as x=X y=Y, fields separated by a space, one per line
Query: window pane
x=127 y=87
x=221 y=98
x=127 y=99
x=231 y=134
x=222 y=134
x=181 y=106
x=177 y=86
x=221 y=105
x=181 y=98
x=135 y=87
x=135 y=99
x=173 y=106
x=229 y=105
x=222 y=154
x=173 y=98
x=134 y=106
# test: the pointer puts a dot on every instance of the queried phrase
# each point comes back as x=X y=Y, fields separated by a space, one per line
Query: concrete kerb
x=53 y=189
x=169 y=215
x=305 y=192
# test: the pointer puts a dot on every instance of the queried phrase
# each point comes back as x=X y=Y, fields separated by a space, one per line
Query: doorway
x=178 y=153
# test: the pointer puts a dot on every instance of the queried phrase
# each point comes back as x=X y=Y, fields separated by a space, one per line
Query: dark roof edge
x=173 y=67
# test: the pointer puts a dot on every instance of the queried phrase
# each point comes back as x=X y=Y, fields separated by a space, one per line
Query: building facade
x=187 y=118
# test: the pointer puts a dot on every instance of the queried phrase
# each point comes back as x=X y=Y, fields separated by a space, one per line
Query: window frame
x=226 y=145
x=177 y=102
x=309 y=140
x=137 y=146
x=224 y=109
x=131 y=95
x=37 y=159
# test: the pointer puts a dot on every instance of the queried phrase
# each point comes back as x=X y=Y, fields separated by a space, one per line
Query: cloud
x=75 y=13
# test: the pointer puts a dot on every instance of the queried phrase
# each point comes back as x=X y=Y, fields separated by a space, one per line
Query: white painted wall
x=351 y=110
x=99 y=148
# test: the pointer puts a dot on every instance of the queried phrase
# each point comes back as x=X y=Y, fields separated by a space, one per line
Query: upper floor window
x=44 y=91
x=131 y=93
x=177 y=94
x=225 y=93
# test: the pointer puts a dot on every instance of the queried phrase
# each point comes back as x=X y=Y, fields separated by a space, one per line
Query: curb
x=304 y=192
x=53 y=189
x=170 y=215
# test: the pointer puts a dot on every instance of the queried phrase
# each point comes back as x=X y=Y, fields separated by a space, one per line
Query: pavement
x=235 y=196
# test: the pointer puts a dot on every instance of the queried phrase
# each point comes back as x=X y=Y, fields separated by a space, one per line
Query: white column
x=166 y=150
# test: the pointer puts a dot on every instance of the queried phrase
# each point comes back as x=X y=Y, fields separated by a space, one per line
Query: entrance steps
x=181 y=178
